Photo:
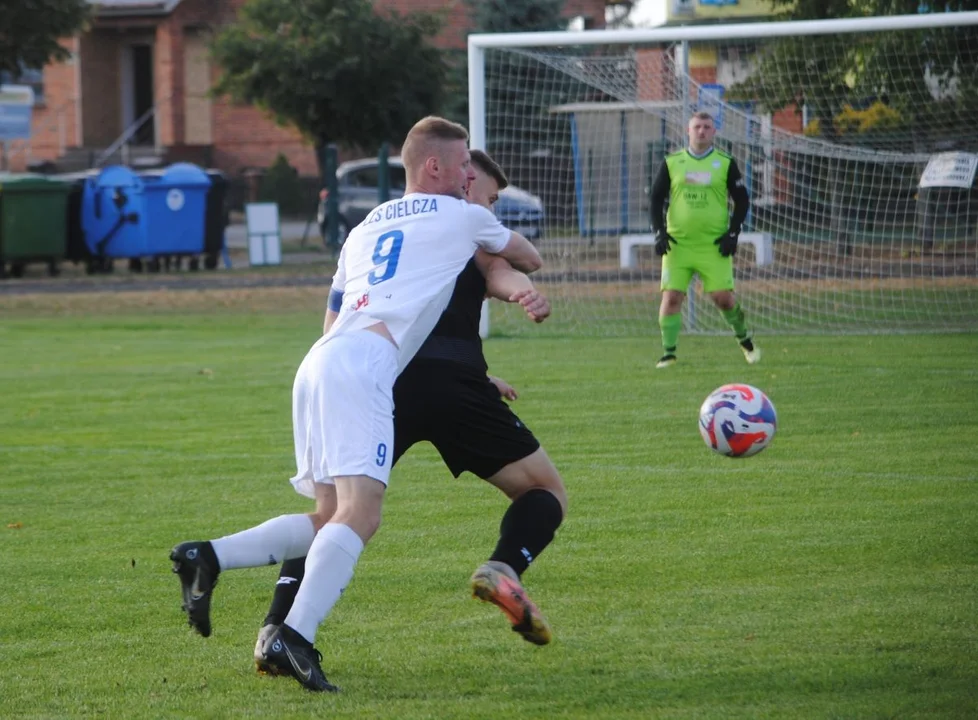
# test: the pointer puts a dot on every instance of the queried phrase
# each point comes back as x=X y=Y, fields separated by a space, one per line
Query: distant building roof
x=133 y=7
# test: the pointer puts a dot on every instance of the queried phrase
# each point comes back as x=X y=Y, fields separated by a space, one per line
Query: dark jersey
x=456 y=335
x=444 y=396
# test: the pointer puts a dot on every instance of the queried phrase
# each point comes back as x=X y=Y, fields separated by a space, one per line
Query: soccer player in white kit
x=398 y=269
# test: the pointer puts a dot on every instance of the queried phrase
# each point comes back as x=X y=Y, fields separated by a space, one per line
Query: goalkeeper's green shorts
x=682 y=260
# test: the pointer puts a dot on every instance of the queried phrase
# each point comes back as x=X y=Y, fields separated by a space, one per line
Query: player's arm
x=737 y=191
x=505 y=389
x=505 y=283
x=521 y=254
x=494 y=238
x=335 y=301
x=333 y=306
x=660 y=193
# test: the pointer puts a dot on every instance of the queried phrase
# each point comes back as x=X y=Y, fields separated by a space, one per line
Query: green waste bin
x=33 y=222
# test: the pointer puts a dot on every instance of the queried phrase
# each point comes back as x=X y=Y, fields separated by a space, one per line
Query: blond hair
x=422 y=139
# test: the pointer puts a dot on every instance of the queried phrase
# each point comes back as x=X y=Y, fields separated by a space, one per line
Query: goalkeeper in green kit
x=699 y=234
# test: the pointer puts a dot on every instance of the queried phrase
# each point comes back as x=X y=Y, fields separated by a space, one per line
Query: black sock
x=286 y=589
x=527 y=528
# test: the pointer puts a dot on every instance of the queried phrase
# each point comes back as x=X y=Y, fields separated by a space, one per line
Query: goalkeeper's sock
x=669 y=326
x=736 y=320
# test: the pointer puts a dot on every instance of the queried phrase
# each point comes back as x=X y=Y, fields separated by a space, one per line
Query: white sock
x=329 y=568
x=278 y=539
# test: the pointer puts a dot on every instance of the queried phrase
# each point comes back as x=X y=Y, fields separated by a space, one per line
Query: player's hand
x=534 y=303
x=505 y=389
x=662 y=241
x=728 y=243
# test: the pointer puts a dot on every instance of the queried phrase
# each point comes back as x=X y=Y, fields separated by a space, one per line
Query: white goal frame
x=478 y=44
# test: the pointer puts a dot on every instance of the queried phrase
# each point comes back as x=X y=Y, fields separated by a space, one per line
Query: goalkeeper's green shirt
x=698 y=189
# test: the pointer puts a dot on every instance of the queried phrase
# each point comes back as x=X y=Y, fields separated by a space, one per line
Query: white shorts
x=342 y=410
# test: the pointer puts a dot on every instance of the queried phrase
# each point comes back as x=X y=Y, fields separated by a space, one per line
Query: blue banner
x=16 y=108
x=710 y=100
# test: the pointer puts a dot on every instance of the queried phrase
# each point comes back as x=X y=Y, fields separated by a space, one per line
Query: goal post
x=832 y=122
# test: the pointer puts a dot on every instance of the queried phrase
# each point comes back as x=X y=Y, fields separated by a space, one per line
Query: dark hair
x=481 y=159
x=428 y=130
x=702 y=115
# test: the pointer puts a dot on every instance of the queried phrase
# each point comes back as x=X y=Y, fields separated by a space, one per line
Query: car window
x=364 y=177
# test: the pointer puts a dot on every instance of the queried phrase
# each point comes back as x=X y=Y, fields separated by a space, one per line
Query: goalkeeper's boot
x=752 y=353
x=667 y=360
x=288 y=653
x=497 y=583
x=262 y=665
x=197 y=567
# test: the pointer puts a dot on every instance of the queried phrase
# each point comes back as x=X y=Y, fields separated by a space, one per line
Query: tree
x=496 y=16
x=336 y=70
x=928 y=77
x=30 y=30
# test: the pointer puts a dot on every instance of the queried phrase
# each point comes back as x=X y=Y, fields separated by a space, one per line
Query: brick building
x=147 y=60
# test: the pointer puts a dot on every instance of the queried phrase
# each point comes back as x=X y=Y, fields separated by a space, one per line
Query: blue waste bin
x=113 y=216
x=176 y=208
x=76 y=250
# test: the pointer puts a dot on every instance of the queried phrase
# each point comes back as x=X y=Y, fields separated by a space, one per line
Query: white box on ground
x=762 y=243
x=264 y=234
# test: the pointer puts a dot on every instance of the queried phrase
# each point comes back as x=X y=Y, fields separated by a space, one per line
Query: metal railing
x=123 y=141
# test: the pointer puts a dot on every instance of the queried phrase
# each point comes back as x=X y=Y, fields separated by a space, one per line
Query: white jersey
x=400 y=264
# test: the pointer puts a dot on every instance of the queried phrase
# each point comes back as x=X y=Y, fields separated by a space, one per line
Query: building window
x=34 y=78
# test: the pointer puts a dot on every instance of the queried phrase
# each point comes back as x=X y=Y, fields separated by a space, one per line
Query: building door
x=137 y=91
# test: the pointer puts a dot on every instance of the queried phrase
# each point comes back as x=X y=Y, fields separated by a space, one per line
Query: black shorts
x=457 y=409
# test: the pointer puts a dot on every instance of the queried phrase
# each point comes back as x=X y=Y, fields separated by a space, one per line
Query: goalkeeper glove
x=662 y=241
x=728 y=242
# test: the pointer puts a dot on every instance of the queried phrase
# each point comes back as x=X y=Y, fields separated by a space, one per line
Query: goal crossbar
x=478 y=43
x=854 y=136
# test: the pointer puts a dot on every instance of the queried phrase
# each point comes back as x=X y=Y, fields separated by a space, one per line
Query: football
x=737 y=420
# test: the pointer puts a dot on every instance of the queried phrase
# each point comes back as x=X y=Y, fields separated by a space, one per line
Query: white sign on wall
x=950 y=169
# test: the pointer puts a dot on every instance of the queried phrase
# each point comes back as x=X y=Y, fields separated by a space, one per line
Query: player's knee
x=543 y=475
x=672 y=303
x=359 y=505
x=363 y=521
x=325 y=505
x=724 y=300
x=320 y=518
x=560 y=493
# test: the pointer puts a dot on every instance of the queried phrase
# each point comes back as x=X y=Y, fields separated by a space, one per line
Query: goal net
x=857 y=140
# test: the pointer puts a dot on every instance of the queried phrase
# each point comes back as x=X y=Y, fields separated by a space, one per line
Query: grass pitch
x=834 y=575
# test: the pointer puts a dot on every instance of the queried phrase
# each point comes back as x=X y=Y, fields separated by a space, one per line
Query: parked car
x=357 y=187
